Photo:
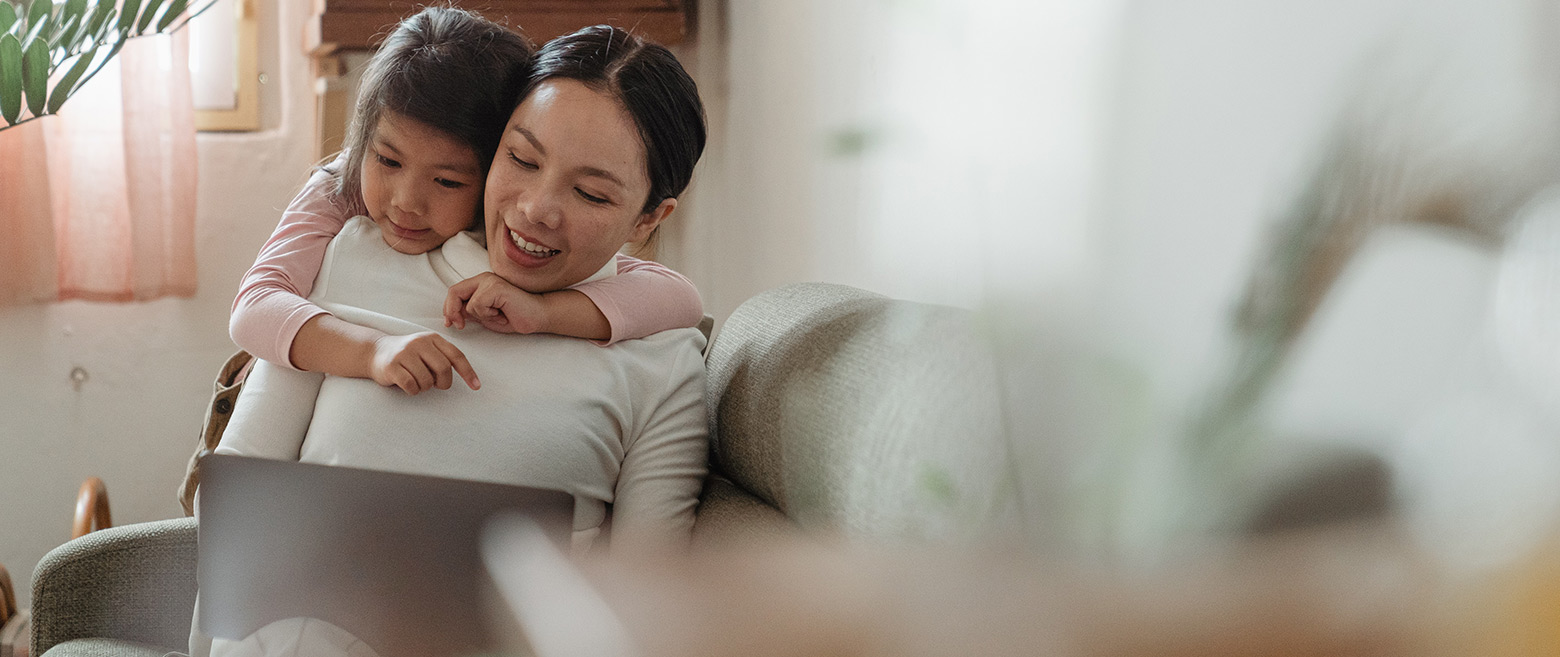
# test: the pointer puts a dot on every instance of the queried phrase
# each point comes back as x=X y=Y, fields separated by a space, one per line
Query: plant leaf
x=7 y=16
x=100 y=14
x=26 y=35
x=10 y=77
x=71 y=18
x=35 y=75
x=69 y=28
x=38 y=12
x=100 y=33
x=174 y=9
x=66 y=86
x=127 y=15
x=44 y=25
x=147 y=13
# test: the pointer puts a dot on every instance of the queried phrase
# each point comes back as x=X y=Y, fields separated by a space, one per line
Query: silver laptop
x=391 y=558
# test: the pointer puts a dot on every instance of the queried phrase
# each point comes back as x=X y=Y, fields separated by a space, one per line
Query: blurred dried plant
x=1421 y=141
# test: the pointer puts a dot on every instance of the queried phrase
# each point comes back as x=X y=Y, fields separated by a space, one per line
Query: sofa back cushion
x=857 y=413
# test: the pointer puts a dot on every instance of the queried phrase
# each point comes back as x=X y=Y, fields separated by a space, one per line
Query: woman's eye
x=387 y=161
x=590 y=197
x=530 y=166
x=449 y=184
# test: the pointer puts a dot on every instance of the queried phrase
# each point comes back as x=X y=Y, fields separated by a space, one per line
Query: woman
x=594 y=156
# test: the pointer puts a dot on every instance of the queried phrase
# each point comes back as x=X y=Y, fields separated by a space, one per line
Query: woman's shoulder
x=661 y=356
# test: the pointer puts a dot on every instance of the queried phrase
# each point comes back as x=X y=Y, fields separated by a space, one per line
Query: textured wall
x=133 y=422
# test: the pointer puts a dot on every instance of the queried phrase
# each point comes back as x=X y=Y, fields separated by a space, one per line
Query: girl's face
x=567 y=188
x=420 y=185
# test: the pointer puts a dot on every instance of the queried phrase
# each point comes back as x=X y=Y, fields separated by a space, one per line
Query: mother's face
x=567 y=188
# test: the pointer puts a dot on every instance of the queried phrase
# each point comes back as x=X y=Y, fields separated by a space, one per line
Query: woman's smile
x=528 y=252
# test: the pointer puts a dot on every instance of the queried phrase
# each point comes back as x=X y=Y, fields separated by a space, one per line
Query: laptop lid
x=392 y=558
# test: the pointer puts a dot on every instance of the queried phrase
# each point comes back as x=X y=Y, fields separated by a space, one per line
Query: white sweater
x=622 y=425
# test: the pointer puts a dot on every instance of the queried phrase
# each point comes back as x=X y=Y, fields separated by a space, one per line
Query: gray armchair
x=127 y=591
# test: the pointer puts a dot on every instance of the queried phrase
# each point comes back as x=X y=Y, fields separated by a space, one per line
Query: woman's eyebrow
x=603 y=174
x=589 y=171
x=536 y=144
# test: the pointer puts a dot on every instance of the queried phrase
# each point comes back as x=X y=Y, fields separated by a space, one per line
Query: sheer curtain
x=98 y=203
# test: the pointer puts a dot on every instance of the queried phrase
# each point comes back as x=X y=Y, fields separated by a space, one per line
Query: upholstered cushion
x=104 y=648
x=728 y=514
x=135 y=582
x=861 y=414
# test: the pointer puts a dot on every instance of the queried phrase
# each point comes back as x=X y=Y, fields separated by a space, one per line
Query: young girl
x=273 y=320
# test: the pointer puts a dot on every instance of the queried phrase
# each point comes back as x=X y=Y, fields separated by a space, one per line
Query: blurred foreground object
x=1346 y=591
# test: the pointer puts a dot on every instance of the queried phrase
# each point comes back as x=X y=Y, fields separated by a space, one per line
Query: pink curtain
x=98 y=203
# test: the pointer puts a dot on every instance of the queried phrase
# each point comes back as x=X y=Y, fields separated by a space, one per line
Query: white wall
x=940 y=151
x=135 y=421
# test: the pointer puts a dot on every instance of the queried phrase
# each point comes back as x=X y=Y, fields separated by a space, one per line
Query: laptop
x=394 y=559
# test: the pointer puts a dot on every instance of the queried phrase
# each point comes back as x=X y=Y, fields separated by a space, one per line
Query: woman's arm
x=664 y=463
x=644 y=298
x=272 y=414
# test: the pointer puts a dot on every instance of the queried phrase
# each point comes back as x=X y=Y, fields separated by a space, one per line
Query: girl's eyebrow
x=587 y=170
x=379 y=140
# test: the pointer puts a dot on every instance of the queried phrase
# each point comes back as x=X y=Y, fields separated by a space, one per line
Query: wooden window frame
x=245 y=115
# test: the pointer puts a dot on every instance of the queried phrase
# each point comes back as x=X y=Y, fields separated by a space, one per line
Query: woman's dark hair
x=652 y=86
x=449 y=69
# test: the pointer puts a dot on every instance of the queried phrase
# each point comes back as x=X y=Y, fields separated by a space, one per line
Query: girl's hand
x=495 y=303
x=418 y=362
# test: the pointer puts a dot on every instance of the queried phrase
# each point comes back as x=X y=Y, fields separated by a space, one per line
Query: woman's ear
x=648 y=221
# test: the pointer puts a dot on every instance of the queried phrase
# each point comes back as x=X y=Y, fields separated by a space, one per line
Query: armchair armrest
x=135 y=582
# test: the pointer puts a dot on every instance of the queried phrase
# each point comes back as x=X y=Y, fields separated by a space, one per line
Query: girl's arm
x=273 y=319
x=644 y=298
x=271 y=306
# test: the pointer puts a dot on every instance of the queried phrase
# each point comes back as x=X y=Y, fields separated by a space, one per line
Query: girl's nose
x=406 y=200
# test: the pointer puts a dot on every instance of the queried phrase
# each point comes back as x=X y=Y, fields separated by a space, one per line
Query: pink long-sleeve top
x=272 y=305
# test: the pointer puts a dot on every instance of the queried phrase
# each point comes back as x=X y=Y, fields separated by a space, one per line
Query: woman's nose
x=542 y=209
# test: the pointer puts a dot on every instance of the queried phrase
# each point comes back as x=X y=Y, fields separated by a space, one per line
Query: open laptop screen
x=391 y=558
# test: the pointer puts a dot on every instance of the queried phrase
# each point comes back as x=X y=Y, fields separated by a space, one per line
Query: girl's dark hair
x=449 y=69
x=652 y=86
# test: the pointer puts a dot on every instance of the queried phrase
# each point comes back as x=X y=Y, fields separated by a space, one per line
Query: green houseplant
x=48 y=50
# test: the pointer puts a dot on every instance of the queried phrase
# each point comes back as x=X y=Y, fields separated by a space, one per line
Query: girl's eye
x=529 y=166
x=590 y=197
x=449 y=184
x=387 y=161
